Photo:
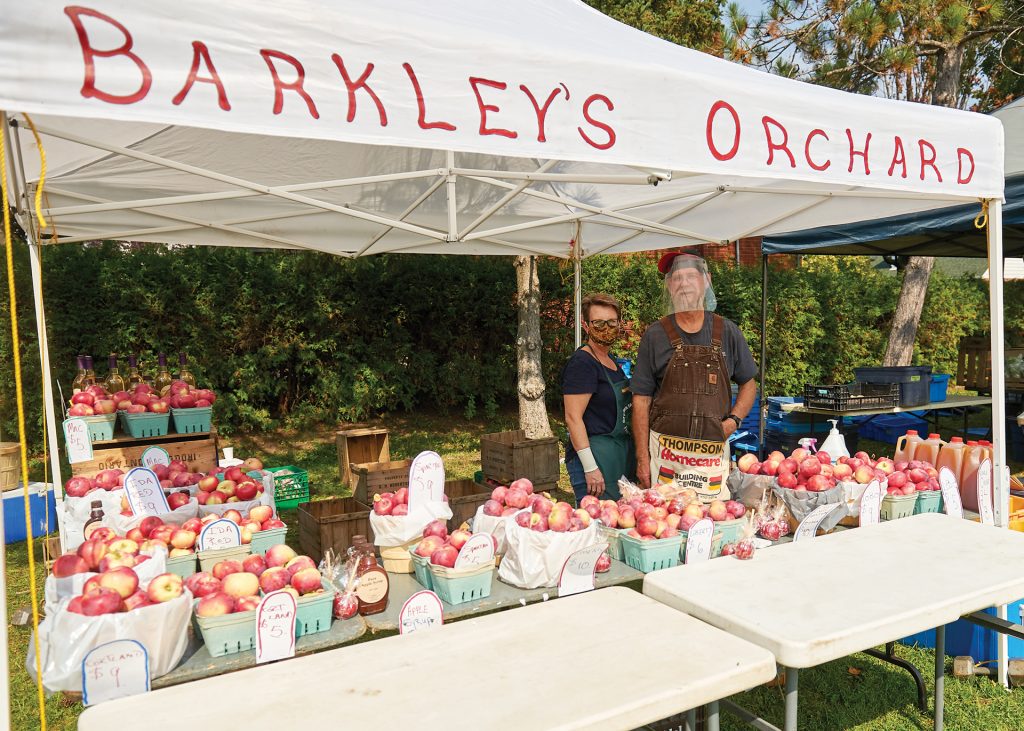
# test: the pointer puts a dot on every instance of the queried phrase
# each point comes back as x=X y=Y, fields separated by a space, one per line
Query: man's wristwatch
x=737 y=420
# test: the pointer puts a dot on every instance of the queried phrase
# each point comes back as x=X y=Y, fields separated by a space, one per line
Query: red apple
x=274 y=578
x=203 y=583
x=122 y=580
x=215 y=605
x=436 y=528
x=68 y=565
x=307 y=581
x=103 y=601
x=221 y=569
x=241 y=584
x=444 y=556
x=279 y=555
x=165 y=587
x=428 y=545
x=177 y=500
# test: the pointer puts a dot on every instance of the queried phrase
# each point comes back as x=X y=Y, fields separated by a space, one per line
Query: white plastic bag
x=534 y=559
x=76 y=511
x=65 y=638
x=57 y=590
x=124 y=523
x=391 y=530
x=493 y=524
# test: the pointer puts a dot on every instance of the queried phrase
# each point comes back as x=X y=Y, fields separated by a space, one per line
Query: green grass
x=857 y=692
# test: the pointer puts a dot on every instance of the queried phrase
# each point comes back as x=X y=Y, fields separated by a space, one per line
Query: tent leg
x=1000 y=470
x=577 y=294
x=763 y=401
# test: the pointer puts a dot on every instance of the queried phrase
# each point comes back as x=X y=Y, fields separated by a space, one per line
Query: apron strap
x=668 y=324
x=717 y=326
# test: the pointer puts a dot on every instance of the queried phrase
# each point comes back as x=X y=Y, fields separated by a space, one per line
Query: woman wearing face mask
x=596 y=395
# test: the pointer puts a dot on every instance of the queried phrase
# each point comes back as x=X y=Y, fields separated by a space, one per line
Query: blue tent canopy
x=947 y=231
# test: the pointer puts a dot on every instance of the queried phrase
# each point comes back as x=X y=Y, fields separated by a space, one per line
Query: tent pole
x=1000 y=470
x=5 y=693
x=577 y=286
x=762 y=404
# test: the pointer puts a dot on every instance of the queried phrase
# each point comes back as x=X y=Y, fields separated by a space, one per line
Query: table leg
x=691 y=720
x=890 y=656
x=712 y=724
x=792 y=676
x=940 y=674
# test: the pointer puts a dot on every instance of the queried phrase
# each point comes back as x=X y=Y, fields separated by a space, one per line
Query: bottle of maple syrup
x=95 y=519
x=373 y=584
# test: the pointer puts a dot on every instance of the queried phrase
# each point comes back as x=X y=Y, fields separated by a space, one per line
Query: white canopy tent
x=456 y=127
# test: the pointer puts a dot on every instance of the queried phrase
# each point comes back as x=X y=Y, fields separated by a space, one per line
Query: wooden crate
x=200 y=453
x=374 y=477
x=332 y=523
x=974 y=366
x=360 y=444
x=464 y=497
x=507 y=456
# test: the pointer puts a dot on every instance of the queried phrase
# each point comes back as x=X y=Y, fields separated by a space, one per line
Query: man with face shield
x=596 y=395
x=682 y=399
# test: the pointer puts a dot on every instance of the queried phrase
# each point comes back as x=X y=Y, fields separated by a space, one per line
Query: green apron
x=615 y=453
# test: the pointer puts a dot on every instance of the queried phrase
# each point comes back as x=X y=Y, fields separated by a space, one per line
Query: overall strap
x=668 y=324
x=717 y=326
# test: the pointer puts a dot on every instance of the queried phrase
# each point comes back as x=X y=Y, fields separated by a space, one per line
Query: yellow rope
x=42 y=180
x=21 y=425
x=981 y=220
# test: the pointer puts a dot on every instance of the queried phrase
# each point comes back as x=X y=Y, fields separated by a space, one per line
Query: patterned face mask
x=603 y=332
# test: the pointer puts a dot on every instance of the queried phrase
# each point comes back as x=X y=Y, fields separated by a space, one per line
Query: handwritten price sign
x=275 y=627
x=77 y=440
x=219 y=534
x=871 y=504
x=808 y=527
x=114 y=670
x=698 y=541
x=479 y=549
x=145 y=496
x=579 y=570
x=426 y=480
x=154 y=456
x=950 y=493
x=421 y=611
x=985 y=493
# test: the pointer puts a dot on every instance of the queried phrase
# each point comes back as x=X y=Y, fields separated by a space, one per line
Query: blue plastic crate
x=965 y=638
x=39 y=505
x=890 y=427
x=939 y=387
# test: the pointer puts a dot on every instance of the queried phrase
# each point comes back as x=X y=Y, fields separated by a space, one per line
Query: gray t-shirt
x=656 y=351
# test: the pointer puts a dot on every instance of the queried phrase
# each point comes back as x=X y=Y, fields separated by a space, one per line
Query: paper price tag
x=145 y=496
x=479 y=549
x=426 y=480
x=580 y=570
x=950 y=493
x=808 y=527
x=77 y=441
x=114 y=670
x=871 y=504
x=421 y=611
x=985 y=493
x=219 y=534
x=275 y=627
x=698 y=541
x=154 y=456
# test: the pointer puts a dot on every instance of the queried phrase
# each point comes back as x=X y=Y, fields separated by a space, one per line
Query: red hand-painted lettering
x=476 y=82
x=201 y=53
x=280 y=86
x=772 y=144
x=709 y=131
x=89 y=89
x=422 y=121
x=601 y=125
x=361 y=83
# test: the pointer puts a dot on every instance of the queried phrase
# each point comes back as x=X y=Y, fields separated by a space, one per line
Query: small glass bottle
x=134 y=377
x=79 y=383
x=90 y=374
x=114 y=381
x=95 y=519
x=373 y=584
x=162 y=382
x=184 y=374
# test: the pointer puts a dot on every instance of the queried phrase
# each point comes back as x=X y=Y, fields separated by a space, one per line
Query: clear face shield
x=688 y=286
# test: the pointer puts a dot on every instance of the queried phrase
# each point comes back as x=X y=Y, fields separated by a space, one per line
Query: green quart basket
x=291 y=486
x=208 y=559
x=614 y=544
x=314 y=612
x=647 y=556
x=928 y=501
x=229 y=633
x=421 y=568
x=192 y=421
x=895 y=507
x=731 y=530
x=264 y=539
x=101 y=427
x=143 y=426
x=183 y=566
x=461 y=586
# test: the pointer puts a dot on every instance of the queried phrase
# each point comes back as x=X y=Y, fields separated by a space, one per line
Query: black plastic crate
x=852 y=396
x=915 y=382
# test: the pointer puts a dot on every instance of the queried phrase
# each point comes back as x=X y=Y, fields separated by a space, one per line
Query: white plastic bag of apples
x=56 y=590
x=493 y=524
x=77 y=509
x=534 y=559
x=394 y=530
x=65 y=638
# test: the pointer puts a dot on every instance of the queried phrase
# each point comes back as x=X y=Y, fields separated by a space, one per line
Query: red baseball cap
x=665 y=263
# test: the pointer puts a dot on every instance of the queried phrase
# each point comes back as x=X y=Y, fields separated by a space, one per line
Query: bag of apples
x=538 y=546
x=396 y=528
x=71 y=570
x=752 y=479
x=116 y=606
x=123 y=521
x=504 y=501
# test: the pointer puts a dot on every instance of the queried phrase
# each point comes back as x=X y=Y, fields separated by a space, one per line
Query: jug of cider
x=952 y=456
x=928 y=449
x=906 y=446
x=971 y=470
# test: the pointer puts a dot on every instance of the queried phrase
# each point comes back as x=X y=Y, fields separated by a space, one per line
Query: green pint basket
x=101 y=426
x=264 y=539
x=647 y=556
x=895 y=507
x=143 y=426
x=458 y=586
x=421 y=568
x=183 y=566
x=928 y=501
x=192 y=421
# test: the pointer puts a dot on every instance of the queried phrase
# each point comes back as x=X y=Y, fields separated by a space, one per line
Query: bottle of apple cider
x=134 y=377
x=114 y=381
x=162 y=382
x=79 y=383
x=90 y=374
x=184 y=374
x=951 y=456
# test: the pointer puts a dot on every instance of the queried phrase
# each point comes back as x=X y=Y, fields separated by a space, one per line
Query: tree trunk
x=900 y=349
x=908 y=311
x=533 y=413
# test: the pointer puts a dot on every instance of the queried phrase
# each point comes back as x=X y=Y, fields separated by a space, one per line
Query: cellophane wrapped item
x=341 y=575
x=771 y=518
x=744 y=548
x=669 y=491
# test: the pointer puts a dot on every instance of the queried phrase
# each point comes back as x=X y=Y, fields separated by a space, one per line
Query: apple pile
x=651 y=513
x=112 y=479
x=231 y=485
x=910 y=477
x=508 y=500
x=183 y=396
x=117 y=590
x=235 y=586
x=259 y=518
x=392 y=503
x=141 y=401
x=92 y=401
x=802 y=470
x=441 y=548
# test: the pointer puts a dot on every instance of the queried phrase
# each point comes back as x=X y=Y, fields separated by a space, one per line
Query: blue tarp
x=946 y=231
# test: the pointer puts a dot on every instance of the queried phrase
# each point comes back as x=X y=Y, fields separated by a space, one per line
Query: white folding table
x=606 y=659
x=818 y=600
